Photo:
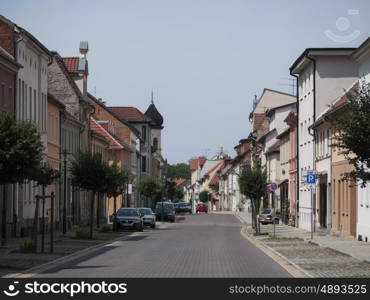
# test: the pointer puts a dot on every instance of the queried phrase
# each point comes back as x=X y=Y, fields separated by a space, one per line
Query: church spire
x=152 y=97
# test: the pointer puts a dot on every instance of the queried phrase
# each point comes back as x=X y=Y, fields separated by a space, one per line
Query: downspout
x=313 y=137
x=297 y=154
x=16 y=88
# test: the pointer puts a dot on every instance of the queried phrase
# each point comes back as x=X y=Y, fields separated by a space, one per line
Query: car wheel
x=153 y=225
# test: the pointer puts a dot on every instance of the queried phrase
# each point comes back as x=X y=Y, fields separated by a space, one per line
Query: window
x=34 y=106
x=155 y=144
x=23 y=105
x=143 y=164
x=143 y=133
x=31 y=104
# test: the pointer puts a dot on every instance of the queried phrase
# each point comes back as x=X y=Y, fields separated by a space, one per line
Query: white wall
x=31 y=105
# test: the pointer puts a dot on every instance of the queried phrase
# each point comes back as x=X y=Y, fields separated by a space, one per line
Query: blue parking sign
x=311 y=178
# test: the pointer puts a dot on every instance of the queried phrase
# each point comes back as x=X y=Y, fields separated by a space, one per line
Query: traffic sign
x=311 y=178
x=273 y=187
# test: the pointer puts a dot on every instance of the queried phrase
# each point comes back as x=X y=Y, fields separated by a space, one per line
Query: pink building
x=291 y=120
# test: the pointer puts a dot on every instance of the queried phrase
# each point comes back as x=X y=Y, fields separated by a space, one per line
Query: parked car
x=183 y=207
x=267 y=216
x=129 y=218
x=148 y=216
x=201 y=208
x=167 y=209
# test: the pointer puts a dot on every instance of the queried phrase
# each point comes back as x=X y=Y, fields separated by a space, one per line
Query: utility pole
x=65 y=153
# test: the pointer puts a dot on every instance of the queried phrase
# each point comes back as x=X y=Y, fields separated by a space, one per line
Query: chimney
x=82 y=67
x=84 y=48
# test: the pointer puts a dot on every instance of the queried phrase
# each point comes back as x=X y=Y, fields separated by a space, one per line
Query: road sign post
x=311 y=180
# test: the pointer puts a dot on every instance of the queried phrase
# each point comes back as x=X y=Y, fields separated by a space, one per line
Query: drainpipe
x=297 y=154
x=16 y=89
x=313 y=136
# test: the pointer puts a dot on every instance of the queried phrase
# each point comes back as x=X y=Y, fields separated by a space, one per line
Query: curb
x=292 y=268
x=28 y=273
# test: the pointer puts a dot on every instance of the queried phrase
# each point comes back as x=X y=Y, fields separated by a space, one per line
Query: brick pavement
x=324 y=256
x=198 y=246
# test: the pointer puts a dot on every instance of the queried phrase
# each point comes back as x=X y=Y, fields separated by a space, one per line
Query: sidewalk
x=12 y=261
x=324 y=256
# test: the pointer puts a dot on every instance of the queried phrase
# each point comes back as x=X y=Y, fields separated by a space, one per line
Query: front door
x=323 y=206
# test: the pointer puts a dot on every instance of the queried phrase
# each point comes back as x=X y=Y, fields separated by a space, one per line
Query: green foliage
x=106 y=228
x=204 y=196
x=115 y=180
x=27 y=246
x=352 y=131
x=20 y=149
x=179 y=195
x=149 y=186
x=81 y=234
x=89 y=172
x=178 y=171
x=171 y=189
x=45 y=175
x=253 y=185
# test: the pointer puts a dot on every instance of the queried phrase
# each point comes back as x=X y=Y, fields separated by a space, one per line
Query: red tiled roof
x=197 y=161
x=132 y=114
x=98 y=129
x=71 y=63
x=180 y=181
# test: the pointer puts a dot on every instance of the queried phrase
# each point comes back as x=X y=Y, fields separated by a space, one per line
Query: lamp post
x=65 y=153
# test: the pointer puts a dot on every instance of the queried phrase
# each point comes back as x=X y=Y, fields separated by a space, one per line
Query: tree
x=44 y=176
x=179 y=195
x=116 y=181
x=204 y=196
x=351 y=123
x=149 y=187
x=178 y=171
x=89 y=172
x=253 y=185
x=171 y=189
x=20 y=155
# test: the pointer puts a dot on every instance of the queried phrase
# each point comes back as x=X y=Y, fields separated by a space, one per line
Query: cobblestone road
x=198 y=246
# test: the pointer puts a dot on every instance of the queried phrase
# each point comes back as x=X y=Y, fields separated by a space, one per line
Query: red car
x=202 y=208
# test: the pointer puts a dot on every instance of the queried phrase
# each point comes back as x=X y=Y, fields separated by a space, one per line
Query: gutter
x=297 y=154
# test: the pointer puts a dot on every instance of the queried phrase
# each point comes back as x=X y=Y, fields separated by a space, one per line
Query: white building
x=31 y=105
x=322 y=74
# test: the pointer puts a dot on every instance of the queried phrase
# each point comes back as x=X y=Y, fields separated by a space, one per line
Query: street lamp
x=65 y=153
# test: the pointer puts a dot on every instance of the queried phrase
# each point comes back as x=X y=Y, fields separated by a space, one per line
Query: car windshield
x=127 y=213
x=145 y=211
x=165 y=206
x=265 y=212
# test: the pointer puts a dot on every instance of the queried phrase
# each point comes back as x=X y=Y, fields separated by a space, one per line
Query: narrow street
x=196 y=246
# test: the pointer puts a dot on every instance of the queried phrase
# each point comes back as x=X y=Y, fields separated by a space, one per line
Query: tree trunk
x=254 y=215
x=36 y=222
x=98 y=211
x=3 y=224
x=92 y=214
x=114 y=213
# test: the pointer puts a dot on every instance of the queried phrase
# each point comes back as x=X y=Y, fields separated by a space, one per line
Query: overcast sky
x=204 y=59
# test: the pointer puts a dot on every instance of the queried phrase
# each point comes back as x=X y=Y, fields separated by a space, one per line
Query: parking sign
x=311 y=178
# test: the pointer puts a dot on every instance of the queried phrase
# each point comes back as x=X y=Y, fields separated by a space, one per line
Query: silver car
x=129 y=218
x=269 y=216
x=148 y=216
